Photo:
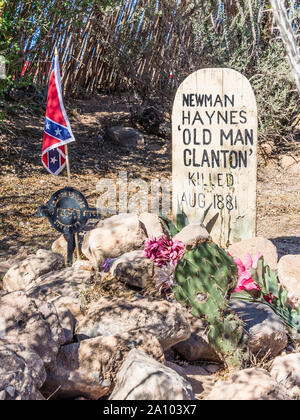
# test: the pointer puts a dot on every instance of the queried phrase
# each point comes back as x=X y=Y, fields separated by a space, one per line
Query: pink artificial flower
x=245 y=281
x=163 y=251
x=253 y=263
x=270 y=298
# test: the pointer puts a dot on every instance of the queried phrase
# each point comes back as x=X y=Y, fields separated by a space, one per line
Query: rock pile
x=126 y=348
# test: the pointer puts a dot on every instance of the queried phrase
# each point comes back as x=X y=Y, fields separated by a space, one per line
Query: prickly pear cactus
x=206 y=277
x=227 y=338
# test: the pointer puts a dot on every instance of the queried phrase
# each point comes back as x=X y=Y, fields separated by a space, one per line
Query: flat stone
x=253 y=247
x=143 y=378
x=134 y=269
x=250 y=385
x=25 y=273
x=126 y=137
x=113 y=237
x=266 y=331
x=286 y=370
x=165 y=320
x=289 y=274
x=193 y=235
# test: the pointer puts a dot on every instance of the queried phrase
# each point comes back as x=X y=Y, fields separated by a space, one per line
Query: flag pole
x=68 y=165
x=69 y=180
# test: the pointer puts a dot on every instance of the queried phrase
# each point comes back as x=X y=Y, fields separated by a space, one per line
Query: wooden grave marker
x=214 y=147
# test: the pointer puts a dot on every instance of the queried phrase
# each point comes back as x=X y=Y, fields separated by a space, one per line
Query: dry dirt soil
x=25 y=184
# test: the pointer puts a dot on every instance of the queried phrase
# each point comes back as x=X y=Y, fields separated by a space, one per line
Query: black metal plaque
x=68 y=212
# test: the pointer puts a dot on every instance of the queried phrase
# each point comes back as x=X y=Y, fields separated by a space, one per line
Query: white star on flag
x=57 y=128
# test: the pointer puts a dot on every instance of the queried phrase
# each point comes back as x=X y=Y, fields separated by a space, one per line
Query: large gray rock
x=193 y=235
x=266 y=331
x=134 y=269
x=253 y=247
x=163 y=319
x=126 y=137
x=286 y=371
x=63 y=288
x=31 y=323
x=89 y=368
x=197 y=346
x=289 y=274
x=250 y=384
x=25 y=273
x=113 y=237
x=22 y=373
x=143 y=378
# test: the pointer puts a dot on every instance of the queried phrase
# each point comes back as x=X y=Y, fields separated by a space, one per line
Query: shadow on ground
x=287 y=245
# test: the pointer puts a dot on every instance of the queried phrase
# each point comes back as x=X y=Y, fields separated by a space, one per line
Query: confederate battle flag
x=57 y=131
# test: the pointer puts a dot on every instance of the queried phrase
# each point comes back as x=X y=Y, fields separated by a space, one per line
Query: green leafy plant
x=174 y=228
x=205 y=278
x=272 y=294
x=181 y=221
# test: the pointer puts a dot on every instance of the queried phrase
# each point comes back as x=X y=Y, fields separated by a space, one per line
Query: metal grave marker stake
x=68 y=212
x=214 y=146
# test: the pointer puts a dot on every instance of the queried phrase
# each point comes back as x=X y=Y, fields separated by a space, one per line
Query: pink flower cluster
x=245 y=281
x=163 y=251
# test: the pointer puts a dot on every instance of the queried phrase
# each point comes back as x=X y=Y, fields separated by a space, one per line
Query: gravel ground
x=24 y=183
